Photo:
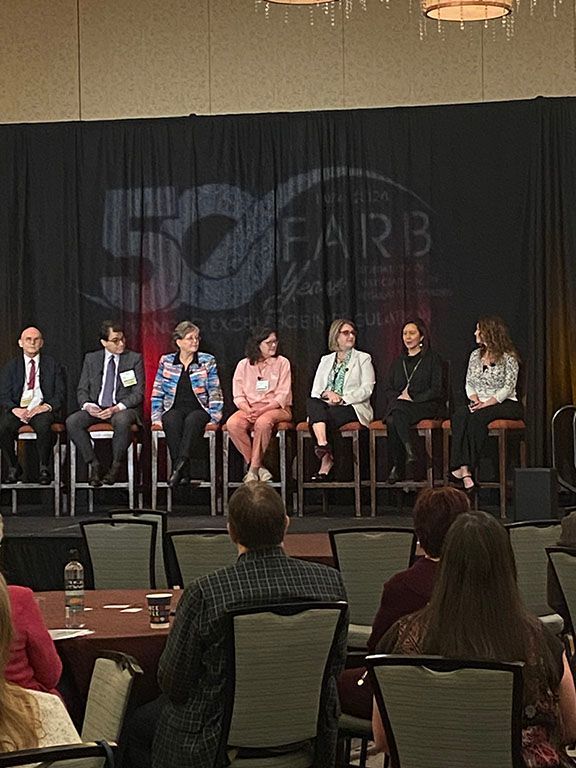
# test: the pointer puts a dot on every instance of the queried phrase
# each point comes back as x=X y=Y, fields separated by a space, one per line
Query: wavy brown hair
x=20 y=726
x=496 y=338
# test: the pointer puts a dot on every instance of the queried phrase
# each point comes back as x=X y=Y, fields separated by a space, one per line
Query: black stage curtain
x=445 y=212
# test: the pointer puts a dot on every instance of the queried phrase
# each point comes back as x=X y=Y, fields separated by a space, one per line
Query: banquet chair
x=211 y=434
x=563 y=561
x=529 y=541
x=160 y=518
x=281 y=431
x=26 y=434
x=366 y=558
x=121 y=553
x=351 y=431
x=105 y=431
x=108 y=695
x=278 y=657
x=199 y=552
x=449 y=713
x=86 y=755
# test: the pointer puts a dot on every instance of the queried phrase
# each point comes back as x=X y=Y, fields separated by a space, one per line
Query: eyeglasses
x=191 y=338
x=116 y=341
x=270 y=343
x=348 y=333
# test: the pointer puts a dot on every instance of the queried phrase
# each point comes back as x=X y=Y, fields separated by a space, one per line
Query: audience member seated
x=28 y=719
x=476 y=612
x=491 y=390
x=341 y=392
x=186 y=396
x=555 y=597
x=413 y=391
x=262 y=390
x=434 y=512
x=187 y=720
x=111 y=389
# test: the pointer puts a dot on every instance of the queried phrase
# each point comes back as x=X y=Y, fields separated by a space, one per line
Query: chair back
x=563 y=561
x=94 y=755
x=108 y=695
x=122 y=553
x=529 y=541
x=278 y=658
x=160 y=518
x=443 y=712
x=201 y=551
x=366 y=558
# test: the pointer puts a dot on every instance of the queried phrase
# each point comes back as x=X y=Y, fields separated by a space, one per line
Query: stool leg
x=56 y=471
x=356 y=460
x=300 y=472
x=225 y=469
x=72 y=479
x=372 y=459
x=282 y=450
x=502 y=472
x=429 y=458
x=168 y=473
x=131 y=462
x=212 y=454
x=154 y=470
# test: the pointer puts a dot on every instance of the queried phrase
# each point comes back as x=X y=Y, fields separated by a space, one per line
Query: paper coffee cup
x=159 y=609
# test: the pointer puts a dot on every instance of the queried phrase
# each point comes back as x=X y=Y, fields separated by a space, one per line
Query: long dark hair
x=423 y=329
x=252 y=349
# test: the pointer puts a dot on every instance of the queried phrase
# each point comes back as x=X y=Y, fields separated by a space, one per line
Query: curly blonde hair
x=20 y=726
x=496 y=338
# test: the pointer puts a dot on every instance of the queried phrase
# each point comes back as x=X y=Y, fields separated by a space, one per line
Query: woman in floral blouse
x=491 y=390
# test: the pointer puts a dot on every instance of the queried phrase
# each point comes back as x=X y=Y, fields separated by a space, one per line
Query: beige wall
x=99 y=59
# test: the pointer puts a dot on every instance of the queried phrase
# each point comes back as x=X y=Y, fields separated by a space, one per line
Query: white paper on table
x=67 y=634
x=130 y=610
x=119 y=606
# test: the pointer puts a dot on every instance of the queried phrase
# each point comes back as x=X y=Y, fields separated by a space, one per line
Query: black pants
x=77 y=426
x=470 y=430
x=45 y=438
x=334 y=416
x=185 y=432
x=401 y=415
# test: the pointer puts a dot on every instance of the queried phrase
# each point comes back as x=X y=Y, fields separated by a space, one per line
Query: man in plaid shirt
x=192 y=672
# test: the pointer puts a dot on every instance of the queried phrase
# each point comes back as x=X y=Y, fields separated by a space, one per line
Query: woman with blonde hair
x=28 y=719
x=491 y=389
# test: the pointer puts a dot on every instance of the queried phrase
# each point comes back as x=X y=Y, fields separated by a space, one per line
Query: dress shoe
x=396 y=475
x=112 y=475
x=176 y=475
x=264 y=475
x=45 y=477
x=14 y=474
x=94 y=475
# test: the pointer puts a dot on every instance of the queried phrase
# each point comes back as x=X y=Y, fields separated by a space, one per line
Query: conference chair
x=563 y=563
x=199 y=552
x=449 y=713
x=281 y=431
x=278 y=660
x=211 y=434
x=121 y=553
x=108 y=695
x=27 y=434
x=160 y=518
x=529 y=541
x=90 y=755
x=104 y=431
x=351 y=431
x=366 y=558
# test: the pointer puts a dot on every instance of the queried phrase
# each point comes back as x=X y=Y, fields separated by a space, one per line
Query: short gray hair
x=183 y=329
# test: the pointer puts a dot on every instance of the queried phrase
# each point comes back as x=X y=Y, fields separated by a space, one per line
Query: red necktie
x=32 y=375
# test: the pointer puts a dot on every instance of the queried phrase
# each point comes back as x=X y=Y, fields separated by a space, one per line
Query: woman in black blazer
x=413 y=392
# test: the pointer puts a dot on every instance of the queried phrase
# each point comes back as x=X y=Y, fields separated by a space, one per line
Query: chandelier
x=466 y=10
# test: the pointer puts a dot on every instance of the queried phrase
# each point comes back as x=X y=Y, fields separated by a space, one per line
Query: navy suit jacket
x=52 y=382
x=192 y=670
x=90 y=382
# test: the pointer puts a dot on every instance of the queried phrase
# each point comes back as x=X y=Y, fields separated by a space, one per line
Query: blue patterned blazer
x=192 y=669
x=203 y=378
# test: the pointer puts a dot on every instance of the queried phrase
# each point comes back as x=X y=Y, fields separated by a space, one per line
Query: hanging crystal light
x=466 y=10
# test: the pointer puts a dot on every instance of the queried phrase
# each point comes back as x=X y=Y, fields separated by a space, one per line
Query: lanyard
x=409 y=378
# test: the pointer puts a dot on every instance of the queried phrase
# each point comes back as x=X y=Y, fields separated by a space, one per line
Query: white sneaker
x=264 y=475
x=250 y=477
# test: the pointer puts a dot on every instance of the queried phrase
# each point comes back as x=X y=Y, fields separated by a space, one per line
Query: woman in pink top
x=262 y=391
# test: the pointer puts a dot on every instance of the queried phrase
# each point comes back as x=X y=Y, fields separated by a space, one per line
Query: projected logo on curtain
x=320 y=242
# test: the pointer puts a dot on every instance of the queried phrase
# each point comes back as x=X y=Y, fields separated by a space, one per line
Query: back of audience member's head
x=568 y=532
x=256 y=516
x=434 y=512
x=20 y=726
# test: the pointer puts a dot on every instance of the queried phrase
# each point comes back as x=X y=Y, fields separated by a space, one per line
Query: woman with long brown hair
x=28 y=719
x=476 y=612
x=491 y=390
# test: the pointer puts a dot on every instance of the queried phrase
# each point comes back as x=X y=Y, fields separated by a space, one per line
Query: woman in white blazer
x=341 y=391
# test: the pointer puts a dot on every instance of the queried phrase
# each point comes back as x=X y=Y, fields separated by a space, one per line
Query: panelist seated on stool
x=111 y=389
x=32 y=392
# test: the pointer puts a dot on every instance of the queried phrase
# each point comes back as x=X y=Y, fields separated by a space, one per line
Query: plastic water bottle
x=74 y=591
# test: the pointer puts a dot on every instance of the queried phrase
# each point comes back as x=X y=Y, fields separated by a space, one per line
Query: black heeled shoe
x=321 y=477
x=396 y=475
x=176 y=475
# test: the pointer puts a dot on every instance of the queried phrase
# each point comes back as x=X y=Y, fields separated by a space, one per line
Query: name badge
x=262 y=385
x=128 y=378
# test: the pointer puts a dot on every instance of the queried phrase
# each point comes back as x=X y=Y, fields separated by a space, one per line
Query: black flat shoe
x=14 y=474
x=395 y=476
x=44 y=478
x=177 y=474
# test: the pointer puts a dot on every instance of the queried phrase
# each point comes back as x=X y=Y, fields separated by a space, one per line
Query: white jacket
x=358 y=382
